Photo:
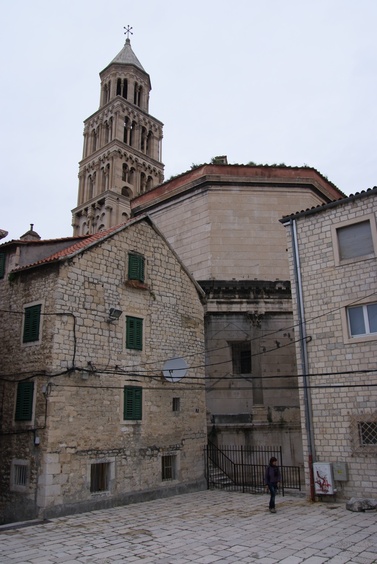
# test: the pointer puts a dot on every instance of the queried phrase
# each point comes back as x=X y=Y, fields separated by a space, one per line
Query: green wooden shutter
x=24 y=401
x=2 y=265
x=32 y=323
x=134 y=333
x=135 y=267
x=133 y=396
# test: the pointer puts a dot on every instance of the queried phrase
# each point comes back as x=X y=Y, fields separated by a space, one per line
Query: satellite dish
x=174 y=369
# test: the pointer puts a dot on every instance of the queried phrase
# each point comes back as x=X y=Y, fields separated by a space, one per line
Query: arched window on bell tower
x=143 y=141
x=138 y=89
x=90 y=187
x=149 y=183
x=122 y=87
x=94 y=140
x=125 y=130
x=149 y=144
x=143 y=183
x=108 y=130
x=124 y=172
x=132 y=133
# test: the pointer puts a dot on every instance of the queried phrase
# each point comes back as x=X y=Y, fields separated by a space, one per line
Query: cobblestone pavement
x=201 y=527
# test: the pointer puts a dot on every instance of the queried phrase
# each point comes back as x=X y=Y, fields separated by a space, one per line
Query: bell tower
x=122 y=147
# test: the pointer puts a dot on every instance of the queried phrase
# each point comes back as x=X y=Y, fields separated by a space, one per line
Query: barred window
x=368 y=433
x=20 y=475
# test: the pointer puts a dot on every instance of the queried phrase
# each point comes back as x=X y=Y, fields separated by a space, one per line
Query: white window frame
x=360 y=219
x=364 y=308
x=111 y=475
x=348 y=337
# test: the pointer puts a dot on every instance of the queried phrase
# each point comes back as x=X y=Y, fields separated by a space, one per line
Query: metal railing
x=242 y=468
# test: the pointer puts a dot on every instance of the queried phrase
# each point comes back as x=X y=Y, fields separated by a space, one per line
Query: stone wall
x=78 y=415
x=342 y=395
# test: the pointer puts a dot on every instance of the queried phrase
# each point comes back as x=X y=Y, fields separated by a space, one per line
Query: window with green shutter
x=133 y=396
x=24 y=401
x=2 y=265
x=32 y=323
x=135 y=267
x=134 y=333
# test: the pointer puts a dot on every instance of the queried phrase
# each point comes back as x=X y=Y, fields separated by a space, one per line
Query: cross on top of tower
x=128 y=31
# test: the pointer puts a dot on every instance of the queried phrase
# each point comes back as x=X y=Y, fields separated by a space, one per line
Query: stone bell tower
x=122 y=147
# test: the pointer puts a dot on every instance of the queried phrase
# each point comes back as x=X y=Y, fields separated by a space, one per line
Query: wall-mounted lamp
x=114 y=314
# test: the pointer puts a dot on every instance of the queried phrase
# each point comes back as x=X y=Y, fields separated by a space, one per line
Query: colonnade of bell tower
x=122 y=147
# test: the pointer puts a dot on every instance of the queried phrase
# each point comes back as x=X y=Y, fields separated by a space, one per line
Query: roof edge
x=318 y=209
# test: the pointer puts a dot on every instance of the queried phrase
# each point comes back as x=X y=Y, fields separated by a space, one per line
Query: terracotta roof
x=246 y=173
x=81 y=244
x=26 y=242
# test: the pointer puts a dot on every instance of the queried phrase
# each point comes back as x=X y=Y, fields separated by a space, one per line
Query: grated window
x=20 y=474
x=368 y=433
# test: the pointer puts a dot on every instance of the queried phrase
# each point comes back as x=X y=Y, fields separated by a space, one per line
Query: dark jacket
x=272 y=475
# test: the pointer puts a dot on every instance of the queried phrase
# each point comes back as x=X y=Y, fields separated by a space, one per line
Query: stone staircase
x=217 y=478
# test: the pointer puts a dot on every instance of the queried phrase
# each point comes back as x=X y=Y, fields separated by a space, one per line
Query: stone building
x=333 y=265
x=223 y=222
x=122 y=147
x=100 y=405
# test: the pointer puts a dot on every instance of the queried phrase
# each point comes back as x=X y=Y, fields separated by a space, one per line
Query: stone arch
x=126 y=191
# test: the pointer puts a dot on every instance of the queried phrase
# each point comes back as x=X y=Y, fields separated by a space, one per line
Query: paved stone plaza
x=202 y=527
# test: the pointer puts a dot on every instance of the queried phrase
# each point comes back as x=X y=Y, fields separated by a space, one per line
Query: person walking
x=272 y=479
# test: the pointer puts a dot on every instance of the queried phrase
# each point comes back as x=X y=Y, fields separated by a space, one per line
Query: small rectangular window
x=176 y=404
x=99 y=477
x=368 y=433
x=241 y=357
x=134 y=333
x=168 y=467
x=135 y=267
x=133 y=402
x=20 y=474
x=32 y=323
x=2 y=265
x=24 y=401
x=355 y=240
x=362 y=320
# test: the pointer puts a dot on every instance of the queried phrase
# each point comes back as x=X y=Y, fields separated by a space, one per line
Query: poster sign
x=323 y=478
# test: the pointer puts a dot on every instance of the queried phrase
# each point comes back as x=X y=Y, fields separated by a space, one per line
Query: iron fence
x=242 y=468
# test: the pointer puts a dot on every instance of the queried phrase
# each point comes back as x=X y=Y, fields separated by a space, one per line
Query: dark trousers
x=273 y=488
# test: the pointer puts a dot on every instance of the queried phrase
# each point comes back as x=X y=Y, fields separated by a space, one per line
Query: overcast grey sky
x=269 y=81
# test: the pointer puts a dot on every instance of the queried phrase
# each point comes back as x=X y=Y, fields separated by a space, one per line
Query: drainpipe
x=304 y=355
